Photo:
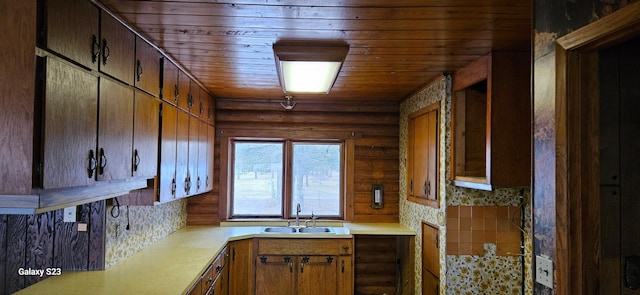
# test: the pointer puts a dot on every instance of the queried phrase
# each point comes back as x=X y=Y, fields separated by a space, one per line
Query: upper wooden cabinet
x=73 y=30
x=422 y=156
x=147 y=67
x=117 y=49
x=170 y=90
x=115 y=130
x=65 y=147
x=146 y=132
x=185 y=100
x=491 y=122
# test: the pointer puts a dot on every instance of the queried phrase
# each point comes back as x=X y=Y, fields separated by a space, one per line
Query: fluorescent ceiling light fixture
x=309 y=76
x=308 y=69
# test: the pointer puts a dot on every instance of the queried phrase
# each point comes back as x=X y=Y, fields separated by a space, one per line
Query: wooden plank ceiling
x=396 y=47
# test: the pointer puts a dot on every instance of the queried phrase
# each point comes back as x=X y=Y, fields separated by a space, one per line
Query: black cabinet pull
x=103 y=162
x=342 y=267
x=105 y=52
x=136 y=160
x=173 y=187
x=198 y=184
x=95 y=50
x=411 y=186
x=175 y=93
x=138 y=70
x=92 y=164
x=218 y=269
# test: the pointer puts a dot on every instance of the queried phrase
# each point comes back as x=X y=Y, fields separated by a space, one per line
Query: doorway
x=580 y=213
x=620 y=168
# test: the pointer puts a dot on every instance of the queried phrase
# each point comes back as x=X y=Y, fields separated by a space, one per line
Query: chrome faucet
x=298 y=209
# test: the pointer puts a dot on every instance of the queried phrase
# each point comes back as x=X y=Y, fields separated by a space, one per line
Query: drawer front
x=304 y=246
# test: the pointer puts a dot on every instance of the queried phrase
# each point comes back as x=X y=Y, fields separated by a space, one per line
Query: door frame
x=577 y=147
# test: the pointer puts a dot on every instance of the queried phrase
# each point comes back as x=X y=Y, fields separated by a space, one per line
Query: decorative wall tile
x=146 y=225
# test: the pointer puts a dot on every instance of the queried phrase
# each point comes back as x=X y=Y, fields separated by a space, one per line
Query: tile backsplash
x=137 y=227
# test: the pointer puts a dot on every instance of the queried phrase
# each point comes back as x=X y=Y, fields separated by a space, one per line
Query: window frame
x=287 y=178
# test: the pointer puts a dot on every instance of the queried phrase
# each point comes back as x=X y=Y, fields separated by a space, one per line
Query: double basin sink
x=298 y=230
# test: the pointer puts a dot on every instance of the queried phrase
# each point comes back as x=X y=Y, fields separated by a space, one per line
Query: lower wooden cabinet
x=430 y=283
x=241 y=267
x=215 y=279
x=304 y=266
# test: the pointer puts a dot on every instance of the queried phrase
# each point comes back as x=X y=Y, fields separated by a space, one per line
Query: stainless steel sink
x=317 y=230
x=279 y=229
x=293 y=230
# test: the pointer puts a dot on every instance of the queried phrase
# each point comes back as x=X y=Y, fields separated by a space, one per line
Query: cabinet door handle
x=95 y=50
x=92 y=163
x=437 y=242
x=136 y=160
x=198 y=184
x=428 y=192
x=218 y=269
x=103 y=162
x=342 y=266
x=411 y=186
x=105 y=52
x=173 y=186
x=175 y=93
x=138 y=70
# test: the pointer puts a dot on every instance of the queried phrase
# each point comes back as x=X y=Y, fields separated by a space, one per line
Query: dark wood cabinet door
x=275 y=274
x=146 y=131
x=317 y=275
x=203 y=105
x=203 y=156
x=211 y=130
x=194 y=143
x=241 y=267
x=72 y=29
x=115 y=130
x=184 y=97
x=169 y=82
x=195 y=106
x=117 y=49
x=147 y=67
x=70 y=118
x=168 y=185
x=182 y=155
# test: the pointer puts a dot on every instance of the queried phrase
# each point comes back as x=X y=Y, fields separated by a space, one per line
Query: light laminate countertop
x=173 y=264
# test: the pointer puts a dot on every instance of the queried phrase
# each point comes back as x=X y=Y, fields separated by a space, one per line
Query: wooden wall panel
x=375 y=264
x=374 y=128
x=45 y=241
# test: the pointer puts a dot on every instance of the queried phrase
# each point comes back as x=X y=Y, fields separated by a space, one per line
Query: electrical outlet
x=544 y=271
x=69 y=214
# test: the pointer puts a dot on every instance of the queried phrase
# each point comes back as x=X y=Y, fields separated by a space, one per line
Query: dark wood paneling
x=375 y=264
x=97 y=236
x=44 y=241
x=15 y=255
x=39 y=244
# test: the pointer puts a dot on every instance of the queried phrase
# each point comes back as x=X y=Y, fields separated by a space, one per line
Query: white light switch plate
x=544 y=271
x=69 y=214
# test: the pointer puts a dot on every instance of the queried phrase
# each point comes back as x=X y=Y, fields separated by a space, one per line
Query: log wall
x=370 y=131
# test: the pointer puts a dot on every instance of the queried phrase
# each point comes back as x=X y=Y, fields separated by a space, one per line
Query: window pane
x=316 y=179
x=257 y=180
